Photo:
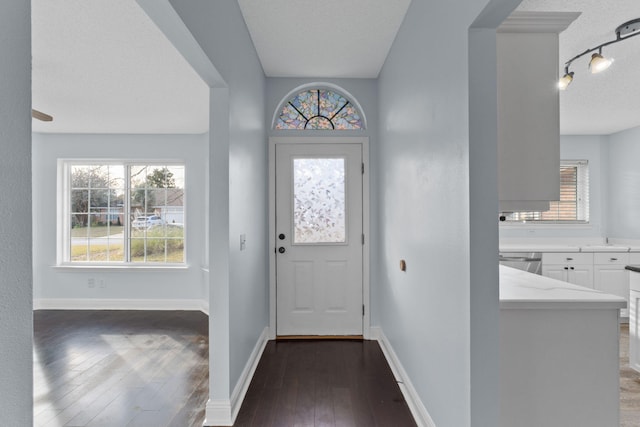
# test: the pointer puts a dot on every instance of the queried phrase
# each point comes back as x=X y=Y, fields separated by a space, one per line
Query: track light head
x=566 y=80
x=599 y=63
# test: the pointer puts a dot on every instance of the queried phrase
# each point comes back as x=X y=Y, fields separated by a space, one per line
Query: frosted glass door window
x=319 y=209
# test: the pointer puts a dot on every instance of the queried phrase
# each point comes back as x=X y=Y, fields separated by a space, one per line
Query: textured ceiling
x=102 y=66
x=329 y=38
x=605 y=103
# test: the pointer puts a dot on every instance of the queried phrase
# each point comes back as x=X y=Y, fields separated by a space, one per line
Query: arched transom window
x=319 y=109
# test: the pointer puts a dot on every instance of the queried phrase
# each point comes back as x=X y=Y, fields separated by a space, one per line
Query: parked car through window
x=147 y=221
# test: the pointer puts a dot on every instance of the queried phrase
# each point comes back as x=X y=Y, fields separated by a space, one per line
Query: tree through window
x=319 y=109
x=120 y=212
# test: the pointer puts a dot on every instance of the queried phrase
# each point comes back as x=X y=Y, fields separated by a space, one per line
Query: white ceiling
x=101 y=66
x=605 y=103
x=329 y=38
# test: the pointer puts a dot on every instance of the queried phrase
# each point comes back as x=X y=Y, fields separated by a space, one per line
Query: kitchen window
x=123 y=213
x=573 y=206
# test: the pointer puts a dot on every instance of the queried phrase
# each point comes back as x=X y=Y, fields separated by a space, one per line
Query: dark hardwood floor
x=120 y=368
x=150 y=368
x=344 y=383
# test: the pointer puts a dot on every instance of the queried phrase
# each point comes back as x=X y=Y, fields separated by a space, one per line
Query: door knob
x=281 y=250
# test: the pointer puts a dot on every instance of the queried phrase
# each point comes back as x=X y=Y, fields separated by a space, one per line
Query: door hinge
x=362 y=310
x=363 y=168
x=363 y=238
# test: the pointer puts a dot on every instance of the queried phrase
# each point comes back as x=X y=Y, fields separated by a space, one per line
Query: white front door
x=319 y=239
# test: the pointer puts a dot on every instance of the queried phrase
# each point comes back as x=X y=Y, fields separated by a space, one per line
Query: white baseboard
x=224 y=412
x=218 y=413
x=419 y=412
x=240 y=390
x=120 y=304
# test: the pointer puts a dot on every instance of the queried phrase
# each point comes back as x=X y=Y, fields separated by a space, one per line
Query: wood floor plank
x=103 y=368
x=345 y=383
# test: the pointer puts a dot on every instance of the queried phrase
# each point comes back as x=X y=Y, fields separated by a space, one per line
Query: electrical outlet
x=91 y=282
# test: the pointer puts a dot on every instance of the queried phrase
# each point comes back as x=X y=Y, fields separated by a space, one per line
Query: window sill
x=96 y=267
x=549 y=225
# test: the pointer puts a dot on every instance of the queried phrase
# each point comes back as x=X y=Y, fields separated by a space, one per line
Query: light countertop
x=538 y=247
x=556 y=245
x=634 y=279
x=519 y=289
x=551 y=247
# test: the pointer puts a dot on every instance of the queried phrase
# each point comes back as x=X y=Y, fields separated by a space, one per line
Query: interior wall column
x=484 y=293
x=219 y=405
x=16 y=276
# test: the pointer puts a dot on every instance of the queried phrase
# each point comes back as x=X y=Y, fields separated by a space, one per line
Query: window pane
x=79 y=241
x=319 y=109
x=290 y=119
x=319 y=123
x=138 y=248
x=319 y=200
x=348 y=118
x=175 y=243
x=330 y=103
x=307 y=103
x=79 y=201
x=157 y=201
x=99 y=176
x=98 y=213
x=100 y=199
x=573 y=205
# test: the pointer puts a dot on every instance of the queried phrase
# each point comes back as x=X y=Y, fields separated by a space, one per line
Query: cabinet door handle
x=614 y=259
x=566 y=268
x=572 y=268
x=569 y=259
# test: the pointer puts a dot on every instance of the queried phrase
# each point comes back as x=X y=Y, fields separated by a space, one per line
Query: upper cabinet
x=528 y=109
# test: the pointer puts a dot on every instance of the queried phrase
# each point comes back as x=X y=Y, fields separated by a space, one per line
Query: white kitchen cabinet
x=528 y=110
x=634 y=258
x=610 y=276
x=575 y=268
x=634 y=327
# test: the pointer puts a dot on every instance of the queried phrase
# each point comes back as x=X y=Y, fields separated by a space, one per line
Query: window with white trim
x=123 y=213
x=573 y=206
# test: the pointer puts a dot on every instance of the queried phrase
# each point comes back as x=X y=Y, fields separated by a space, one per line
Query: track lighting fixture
x=599 y=62
x=566 y=79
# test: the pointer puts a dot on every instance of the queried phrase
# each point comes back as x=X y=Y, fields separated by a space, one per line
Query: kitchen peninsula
x=559 y=352
x=634 y=320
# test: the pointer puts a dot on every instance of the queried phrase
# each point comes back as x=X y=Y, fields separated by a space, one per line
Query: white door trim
x=364 y=141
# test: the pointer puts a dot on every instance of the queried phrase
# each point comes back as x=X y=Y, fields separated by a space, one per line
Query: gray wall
x=624 y=182
x=446 y=340
x=220 y=30
x=178 y=287
x=365 y=93
x=16 y=323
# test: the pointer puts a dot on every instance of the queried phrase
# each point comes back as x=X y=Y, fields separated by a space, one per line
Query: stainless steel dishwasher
x=527 y=261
